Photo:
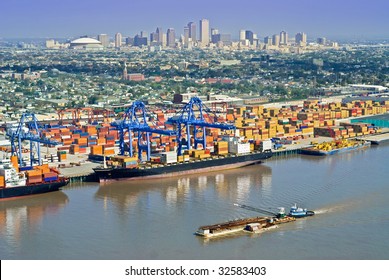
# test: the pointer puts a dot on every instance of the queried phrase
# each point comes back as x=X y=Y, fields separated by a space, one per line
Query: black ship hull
x=32 y=189
x=192 y=167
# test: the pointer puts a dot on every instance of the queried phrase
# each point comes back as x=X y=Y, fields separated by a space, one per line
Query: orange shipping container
x=97 y=150
x=50 y=175
x=34 y=172
x=34 y=179
x=14 y=161
x=109 y=152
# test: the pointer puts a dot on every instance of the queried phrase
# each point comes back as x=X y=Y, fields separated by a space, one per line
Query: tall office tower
x=276 y=40
x=192 y=31
x=186 y=35
x=224 y=39
x=159 y=34
x=249 y=36
x=268 y=40
x=322 y=41
x=164 y=40
x=204 y=32
x=130 y=41
x=118 y=40
x=301 y=37
x=242 y=35
x=104 y=39
x=171 y=38
x=140 y=41
x=214 y=31
x=154 y=37
x=283 y=38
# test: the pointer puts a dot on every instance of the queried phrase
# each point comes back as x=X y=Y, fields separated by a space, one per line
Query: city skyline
x=52 y=18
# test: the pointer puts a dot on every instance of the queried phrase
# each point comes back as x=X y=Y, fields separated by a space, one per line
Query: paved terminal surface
x=74 y=165
x=83 y=169
x=376 y=139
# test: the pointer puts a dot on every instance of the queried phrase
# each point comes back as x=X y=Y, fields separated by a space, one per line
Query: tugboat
x=298 y=212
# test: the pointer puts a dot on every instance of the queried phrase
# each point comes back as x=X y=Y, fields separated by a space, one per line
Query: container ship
x=228 y=155
x=15 y=181
x=335 y=147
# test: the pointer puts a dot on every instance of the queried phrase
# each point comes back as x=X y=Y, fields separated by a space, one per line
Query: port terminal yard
x=304 y=129
x=77 y=167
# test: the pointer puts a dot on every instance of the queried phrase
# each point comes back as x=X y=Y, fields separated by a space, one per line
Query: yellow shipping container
x=203 y=156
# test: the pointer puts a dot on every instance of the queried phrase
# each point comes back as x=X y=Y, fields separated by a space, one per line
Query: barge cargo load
x=335 y=147
x=254 y=224
x=251 y=225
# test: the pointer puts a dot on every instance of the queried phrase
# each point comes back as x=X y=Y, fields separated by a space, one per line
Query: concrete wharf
x=378 y=138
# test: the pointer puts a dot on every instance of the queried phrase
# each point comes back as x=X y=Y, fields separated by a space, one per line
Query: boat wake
x=337 y=208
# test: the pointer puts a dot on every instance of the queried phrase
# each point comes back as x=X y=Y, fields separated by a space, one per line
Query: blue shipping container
x=25 y=168
x=50 y=179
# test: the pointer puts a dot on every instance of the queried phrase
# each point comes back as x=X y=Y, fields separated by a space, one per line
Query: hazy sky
x=73 y=18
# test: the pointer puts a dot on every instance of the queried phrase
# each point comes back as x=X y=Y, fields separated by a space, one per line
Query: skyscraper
x=301 y=38
x=225 y=39
x=283 y=38
x=192 y=31
x=268 y=40
x=140 y=41
x=159 y=35
x=171 y=38
x=154 y=37
x=249 y=35
x=164 y=40
x=276 y=40
x=104 y=39
x=322 y=41
x=118 y=40
x=186 y=35
x=242 y=35
x=204 y=32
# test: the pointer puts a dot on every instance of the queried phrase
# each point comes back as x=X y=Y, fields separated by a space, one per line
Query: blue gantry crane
x=135 y=120
x=28 y=130
x=193 y=114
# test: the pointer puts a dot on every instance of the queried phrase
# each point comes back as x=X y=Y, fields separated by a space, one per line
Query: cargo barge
x=253 y=224
x=29 y=181
x=335 y=147
x=192 y=166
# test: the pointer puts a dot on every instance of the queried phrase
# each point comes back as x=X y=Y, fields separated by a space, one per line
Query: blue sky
x=73 y=18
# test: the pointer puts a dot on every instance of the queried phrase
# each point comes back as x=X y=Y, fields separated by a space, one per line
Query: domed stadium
x=85 y=43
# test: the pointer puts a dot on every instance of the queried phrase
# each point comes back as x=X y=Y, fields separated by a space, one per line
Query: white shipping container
x=239 y=148
x=266 y=145
x=169 y=157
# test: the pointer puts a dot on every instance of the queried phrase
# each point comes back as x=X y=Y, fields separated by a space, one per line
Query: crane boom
x=262 y=211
